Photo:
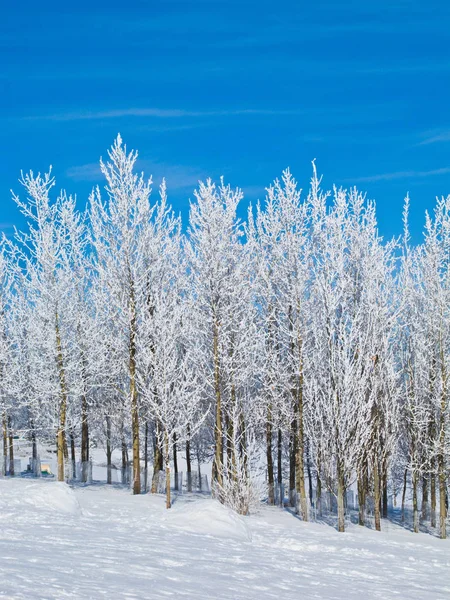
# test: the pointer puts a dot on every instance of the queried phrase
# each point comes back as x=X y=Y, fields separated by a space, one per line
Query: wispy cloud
x=389 y=68
x=160 y=113
x=399 y=175
x=436 y=137
x=163 y=119
x=178 y=177
x=89 y=172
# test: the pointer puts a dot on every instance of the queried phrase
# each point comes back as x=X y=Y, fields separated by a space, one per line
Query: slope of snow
x=33 y=498
x=101 y=542
x=207 y=517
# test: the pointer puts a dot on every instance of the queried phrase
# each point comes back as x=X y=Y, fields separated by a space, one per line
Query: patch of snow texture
x=208 y=517
x=101 y=542
x=36 y=497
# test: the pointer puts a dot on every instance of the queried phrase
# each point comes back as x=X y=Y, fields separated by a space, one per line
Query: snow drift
x=208 y=517
x=36 y=496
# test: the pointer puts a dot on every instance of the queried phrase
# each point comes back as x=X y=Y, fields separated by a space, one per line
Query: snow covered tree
x=214 y=253
x=120 y=230
x=9 y=365
x=282 y=242
x=47 y=282
x=425 y=288
x=350 y=302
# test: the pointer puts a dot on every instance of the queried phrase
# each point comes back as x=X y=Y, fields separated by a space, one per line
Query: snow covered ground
x=100 y=542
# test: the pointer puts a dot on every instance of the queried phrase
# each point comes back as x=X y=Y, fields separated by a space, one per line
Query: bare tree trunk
x=340 y=498
x=361 y=497
x=222 y=458
x=33 y=440
x=270 y=477
x=199 y=471
x=243 y=442
x=385 y=491
x=442 y=497
x=404 y=494
x=72 y=454
x=11 y=448
x=167 y=463
x=279 y=458
x=228 y=443
x=218 y=433
x=66 y=451
x=231 y=457
x=292 y=454
x=319 y=493
x=300 y=438
x=158 y=458
x=84 y=439
x=175 y=461
x=310 y=485
x=124 y=457
x=424 y=498
x=61 y=445
x=5 y=442
x=135 y=436
x=108 y=451
x=376 y=495
x=146 y=456
x=134 y=395
x=36 y=468
x=188 y=460
x=441 y=456
x=433 y=495
x=299 y=463
x=415 y=503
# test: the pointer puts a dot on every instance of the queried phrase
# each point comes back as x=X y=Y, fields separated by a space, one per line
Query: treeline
x=298 y=335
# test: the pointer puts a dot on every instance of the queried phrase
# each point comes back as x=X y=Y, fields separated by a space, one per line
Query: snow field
x=92 y=542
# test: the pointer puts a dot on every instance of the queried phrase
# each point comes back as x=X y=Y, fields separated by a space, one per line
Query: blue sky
x=240 y=89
